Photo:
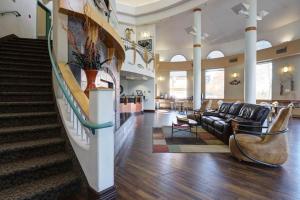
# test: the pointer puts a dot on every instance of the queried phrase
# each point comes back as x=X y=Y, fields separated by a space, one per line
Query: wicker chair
x=270 y=148
x=197 y=113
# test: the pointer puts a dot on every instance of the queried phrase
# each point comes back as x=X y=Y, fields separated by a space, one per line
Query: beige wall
x=291 y=58
x=41 y=22
x=237 y=91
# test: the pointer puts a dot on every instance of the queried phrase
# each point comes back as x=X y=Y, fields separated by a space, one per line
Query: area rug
x=186 y=142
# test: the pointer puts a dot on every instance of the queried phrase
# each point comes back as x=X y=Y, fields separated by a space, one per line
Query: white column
x=60 y=40
x=102 y=143
x=197 y=59
x=250 y=54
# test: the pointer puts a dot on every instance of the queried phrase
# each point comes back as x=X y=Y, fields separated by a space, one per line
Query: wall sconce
x=160 y=78
x=235 y=81
x=285 y=69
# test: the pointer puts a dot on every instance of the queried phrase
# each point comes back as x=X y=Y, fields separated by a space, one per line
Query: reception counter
x=131 y=104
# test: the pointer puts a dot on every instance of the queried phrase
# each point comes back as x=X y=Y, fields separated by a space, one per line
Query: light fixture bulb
x=285 y=69
x=235 y=75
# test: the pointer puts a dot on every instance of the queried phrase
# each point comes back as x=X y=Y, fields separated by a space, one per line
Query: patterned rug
x=186 y=142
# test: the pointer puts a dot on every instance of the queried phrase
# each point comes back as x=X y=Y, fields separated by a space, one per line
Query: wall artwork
x=146 y=44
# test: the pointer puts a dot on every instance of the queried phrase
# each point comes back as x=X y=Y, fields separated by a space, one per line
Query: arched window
x=178 y=58
x=263 y=44
x=215 y=54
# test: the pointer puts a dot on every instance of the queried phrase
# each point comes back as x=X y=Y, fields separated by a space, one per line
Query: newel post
x=101 y=110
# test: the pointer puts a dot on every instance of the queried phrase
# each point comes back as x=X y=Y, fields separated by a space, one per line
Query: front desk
x=131 y=104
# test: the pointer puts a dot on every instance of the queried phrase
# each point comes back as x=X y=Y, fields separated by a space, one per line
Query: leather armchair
x=270 y=148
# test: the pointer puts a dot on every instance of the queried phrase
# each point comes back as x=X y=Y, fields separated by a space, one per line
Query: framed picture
x=146 y=44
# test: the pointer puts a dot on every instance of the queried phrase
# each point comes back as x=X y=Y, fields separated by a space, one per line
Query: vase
x=91 y=80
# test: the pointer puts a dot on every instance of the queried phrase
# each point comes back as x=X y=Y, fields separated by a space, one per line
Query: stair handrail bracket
x=92 y=136
x=16 y=13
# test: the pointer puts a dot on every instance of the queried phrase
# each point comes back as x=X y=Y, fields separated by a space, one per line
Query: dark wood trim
x=152 y=111
x=7 y=37
x=197 y=9
x=250 y=28
x=197 y=45
x=107 y=194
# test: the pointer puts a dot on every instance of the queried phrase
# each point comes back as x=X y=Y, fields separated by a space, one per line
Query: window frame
x=205 y=83
x=271 y=85
x=172 y=89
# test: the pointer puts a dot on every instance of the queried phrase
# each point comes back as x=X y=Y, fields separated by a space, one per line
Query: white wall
x=151 y=28
x=23 y=26
x=147 y=86
x=122 y=28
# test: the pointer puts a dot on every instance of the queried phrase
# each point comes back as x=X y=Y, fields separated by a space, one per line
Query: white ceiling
x=223 y=25
x=136 y=3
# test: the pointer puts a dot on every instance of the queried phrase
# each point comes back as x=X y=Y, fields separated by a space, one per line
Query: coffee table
x=185 y=125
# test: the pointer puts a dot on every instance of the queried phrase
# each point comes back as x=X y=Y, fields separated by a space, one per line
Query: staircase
x=34 y=162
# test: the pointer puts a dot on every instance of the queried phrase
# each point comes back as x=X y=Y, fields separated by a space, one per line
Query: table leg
x=172 y=130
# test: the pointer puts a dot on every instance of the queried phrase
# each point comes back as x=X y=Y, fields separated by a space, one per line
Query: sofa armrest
x=247 y=126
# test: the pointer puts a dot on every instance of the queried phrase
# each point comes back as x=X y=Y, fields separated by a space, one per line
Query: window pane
x=214 y=84
x=263 y=44
x=178 y=58
x=178 y=84
x=215 y=54
x=264 y=81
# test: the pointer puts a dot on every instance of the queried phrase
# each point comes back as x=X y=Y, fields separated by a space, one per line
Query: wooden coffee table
x=184 y=126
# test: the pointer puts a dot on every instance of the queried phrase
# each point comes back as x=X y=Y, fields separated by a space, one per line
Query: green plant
x=90 y=58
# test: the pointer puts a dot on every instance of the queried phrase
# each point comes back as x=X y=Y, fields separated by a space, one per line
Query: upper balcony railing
x=109 y=13
x=146 y=55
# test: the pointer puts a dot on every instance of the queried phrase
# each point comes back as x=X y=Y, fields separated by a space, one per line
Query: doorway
x=43 y=21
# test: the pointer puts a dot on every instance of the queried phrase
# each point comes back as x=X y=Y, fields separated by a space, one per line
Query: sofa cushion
x=234 y=110
x=220 y=125
x=261 y=114
x=210 y=119
x=248 y=111
x=224 y=109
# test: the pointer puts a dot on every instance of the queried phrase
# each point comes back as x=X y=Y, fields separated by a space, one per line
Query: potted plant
x=90 y=61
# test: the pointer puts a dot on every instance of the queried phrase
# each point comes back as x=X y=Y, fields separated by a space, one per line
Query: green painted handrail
x=86 y=123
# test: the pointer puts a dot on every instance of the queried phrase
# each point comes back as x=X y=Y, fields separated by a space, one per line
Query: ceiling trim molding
x=157 y=12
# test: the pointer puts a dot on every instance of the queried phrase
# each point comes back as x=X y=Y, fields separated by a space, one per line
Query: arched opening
x=215 y=54
x=178 y=58
x=263 y=44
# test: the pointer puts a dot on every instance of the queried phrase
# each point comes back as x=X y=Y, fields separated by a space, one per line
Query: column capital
x=197 y=9
x=250 y=28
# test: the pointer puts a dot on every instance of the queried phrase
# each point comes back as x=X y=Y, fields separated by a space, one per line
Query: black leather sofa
x=219 y=123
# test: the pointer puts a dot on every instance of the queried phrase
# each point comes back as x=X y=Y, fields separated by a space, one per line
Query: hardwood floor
x=141 y=174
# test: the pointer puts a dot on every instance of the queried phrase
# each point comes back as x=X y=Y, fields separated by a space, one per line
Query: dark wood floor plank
x=141 y=174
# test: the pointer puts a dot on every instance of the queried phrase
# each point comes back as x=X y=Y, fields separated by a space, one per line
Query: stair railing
x=77 y=117
x=16 y=13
